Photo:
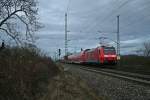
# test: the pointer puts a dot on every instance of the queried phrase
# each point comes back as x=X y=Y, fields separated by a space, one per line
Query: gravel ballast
x=111 y=88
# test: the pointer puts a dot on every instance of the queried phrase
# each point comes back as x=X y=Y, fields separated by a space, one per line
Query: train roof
x=108 y=46
x=89 y=50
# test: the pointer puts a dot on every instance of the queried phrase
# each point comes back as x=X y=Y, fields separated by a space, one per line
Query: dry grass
x=66 y=86
x=24 y=74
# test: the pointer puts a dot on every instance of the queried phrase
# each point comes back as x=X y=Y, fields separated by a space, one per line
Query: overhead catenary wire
x=135 y=20
x=105 y=18
x=108 y=16
x=138 y=20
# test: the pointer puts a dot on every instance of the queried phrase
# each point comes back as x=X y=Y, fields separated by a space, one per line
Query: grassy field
x=133 y=63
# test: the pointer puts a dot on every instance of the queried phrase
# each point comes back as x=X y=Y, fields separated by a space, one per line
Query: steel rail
x=136 y=75
x=136 y=78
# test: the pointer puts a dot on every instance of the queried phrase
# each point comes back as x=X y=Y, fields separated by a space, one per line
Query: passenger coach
x=99 y=55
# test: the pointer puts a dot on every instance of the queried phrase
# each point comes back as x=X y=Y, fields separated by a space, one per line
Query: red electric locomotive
x=99 y=55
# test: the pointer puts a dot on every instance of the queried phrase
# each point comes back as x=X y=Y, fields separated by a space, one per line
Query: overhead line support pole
x=118 y=37
x=66 y=49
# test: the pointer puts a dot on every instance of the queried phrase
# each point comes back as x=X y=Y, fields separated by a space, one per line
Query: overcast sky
x=87 y=17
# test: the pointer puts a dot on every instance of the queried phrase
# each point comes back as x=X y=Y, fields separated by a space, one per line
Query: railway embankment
x=111 y=88
x=67 y=86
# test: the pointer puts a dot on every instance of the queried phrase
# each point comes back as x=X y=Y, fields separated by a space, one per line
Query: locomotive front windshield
x=109 y=50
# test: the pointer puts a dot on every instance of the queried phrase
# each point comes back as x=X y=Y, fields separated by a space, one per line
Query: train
x=98 y=55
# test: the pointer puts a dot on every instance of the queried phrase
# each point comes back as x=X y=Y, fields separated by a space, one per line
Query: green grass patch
x=133 y=63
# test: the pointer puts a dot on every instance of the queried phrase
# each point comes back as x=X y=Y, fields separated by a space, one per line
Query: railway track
x=134 y=77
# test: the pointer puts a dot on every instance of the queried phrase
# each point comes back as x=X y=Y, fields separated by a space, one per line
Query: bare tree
x=19 y=13
x=146 y=49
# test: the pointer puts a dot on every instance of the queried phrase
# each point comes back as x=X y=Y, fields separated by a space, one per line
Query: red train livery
x=99 y=55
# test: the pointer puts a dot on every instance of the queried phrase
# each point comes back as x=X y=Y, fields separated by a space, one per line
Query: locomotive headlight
x=109 y=55
x=118 y=57
x=106 y=55
x=113 y=55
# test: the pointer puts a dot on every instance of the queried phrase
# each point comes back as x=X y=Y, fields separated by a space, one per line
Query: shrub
x=24 y=73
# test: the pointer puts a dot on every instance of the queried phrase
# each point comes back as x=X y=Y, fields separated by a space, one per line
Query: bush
x=135 y=60
x=24 y=73
x=134 y=63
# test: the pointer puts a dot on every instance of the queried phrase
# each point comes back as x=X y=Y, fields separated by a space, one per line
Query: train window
x=108 y=50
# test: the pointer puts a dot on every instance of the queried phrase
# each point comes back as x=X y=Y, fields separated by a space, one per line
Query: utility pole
x=66 y=40
x=118 y=39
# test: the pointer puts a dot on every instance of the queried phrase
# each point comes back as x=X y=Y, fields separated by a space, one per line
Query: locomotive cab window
x=109 y=50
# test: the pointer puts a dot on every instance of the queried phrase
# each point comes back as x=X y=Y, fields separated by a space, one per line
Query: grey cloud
x=86 y=17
